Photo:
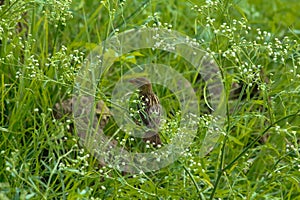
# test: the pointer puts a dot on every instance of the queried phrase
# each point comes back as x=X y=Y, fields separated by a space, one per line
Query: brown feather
x=150 y=113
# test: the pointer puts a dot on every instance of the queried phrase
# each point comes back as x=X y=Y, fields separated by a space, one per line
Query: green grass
x=255 y=44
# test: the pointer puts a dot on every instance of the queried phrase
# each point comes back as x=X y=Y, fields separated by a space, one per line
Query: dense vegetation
x=256 y=46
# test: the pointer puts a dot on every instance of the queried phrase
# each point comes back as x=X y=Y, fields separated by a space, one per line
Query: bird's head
x=143 y=84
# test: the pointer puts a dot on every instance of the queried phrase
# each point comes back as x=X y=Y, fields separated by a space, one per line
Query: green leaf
x=235 y=140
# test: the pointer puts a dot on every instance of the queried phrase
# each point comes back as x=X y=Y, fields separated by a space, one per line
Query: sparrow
x=149 y=108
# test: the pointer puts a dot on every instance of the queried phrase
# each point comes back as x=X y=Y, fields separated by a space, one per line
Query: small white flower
x=103 y=187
